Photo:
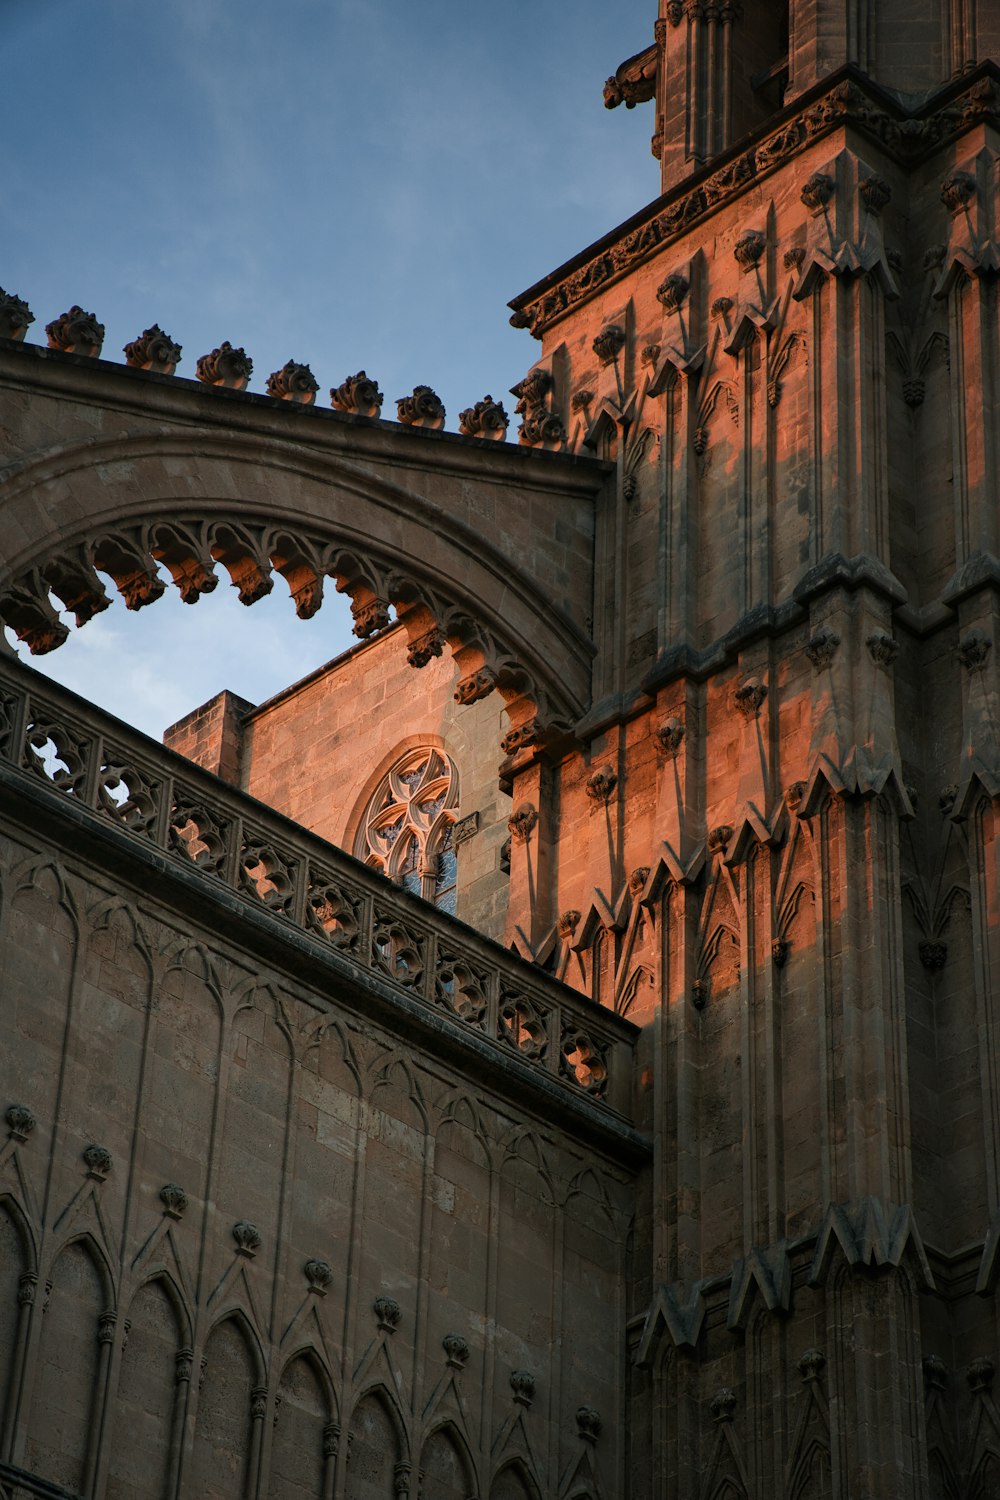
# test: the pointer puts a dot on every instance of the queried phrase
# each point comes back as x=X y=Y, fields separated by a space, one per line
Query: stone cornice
x=847 y=98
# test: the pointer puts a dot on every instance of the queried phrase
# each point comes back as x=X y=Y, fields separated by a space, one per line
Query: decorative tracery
x=406 y=829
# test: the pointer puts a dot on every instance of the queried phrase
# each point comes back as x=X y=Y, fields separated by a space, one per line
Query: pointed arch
x=145 y=1412
x=304 y=1408
x=162 y=1276
x=384 y=1074
x=514 y=1480
x=378 y=1442
x=447 y=1462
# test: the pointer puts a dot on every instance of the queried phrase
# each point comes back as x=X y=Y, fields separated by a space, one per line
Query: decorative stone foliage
x=387 y=1313
x=99 y=1162
x=359 y=395
x=20 y=1120
x=422 y=409
x=522 y=1384
x=247 y=1237
x=153 y=350
x=226 y=366
x=174 y=1200
x=16 y=317
x=293 y=382
x=76 y=332
x=487 y=419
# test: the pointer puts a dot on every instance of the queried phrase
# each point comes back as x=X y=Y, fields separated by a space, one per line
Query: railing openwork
x=153 y=795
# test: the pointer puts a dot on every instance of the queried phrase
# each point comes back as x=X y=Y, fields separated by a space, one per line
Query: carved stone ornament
x=947 y=797
x=247 y=1237
x=76 y=332
x=153 y=350
x=580 y=400
x=749 y=698
x=226 y=366
x=387 y=1313
x=99 y=1162
x=821 y=647
x=723 y=1405
x=20 y=1121
x=541 y=429
x=477 y=685
x=811 y=1364
x=319 y=1274
x=465 y=829
x=601 y=783
x=521 y=738
x=609 y=343
x=174 y=1200
x=331 y=1440
x=670 y=736
x=15 y=316
x=258 y=1403
x=973 y=650
x=780 y=949
x=649 y=356
x=957 y=191
x=933 y=955
x=749 y=248
x=637 y=879
x=588 y=1423
x=875 y=193
x=106 y=1328
x=456 y=1350
x=699 y=993
x=521 y=822
x=402 y=1478
x=671 y=292
x=423 y=409
x=293 y=382
x=817 y=191
x=935 y=1371
x=183 y=1366
x=794 y=793
x=522 y=1383
x=487 y=419
x=718 y=838
x=934 y=257
x=980 y=1375
x=794 y=257
x=675 y=12
x=358 y=395
x=567 y=924
x=882 y=648
x=431 y=643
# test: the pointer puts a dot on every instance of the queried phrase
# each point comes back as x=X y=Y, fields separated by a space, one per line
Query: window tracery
x=406 y=828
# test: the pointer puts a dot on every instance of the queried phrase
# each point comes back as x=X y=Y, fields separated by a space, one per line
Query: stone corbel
x=969 y=193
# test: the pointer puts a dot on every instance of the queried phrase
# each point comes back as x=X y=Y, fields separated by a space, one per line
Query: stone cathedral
x=553 y=1051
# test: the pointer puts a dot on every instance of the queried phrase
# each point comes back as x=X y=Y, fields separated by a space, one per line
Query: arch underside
x=202 y=510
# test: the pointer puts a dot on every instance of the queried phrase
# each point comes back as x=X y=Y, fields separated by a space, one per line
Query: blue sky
x=349 y=183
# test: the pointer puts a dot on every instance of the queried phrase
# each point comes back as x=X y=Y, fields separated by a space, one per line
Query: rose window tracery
x=406 y=829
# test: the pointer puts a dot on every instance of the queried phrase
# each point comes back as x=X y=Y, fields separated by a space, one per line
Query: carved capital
x=106 y=1328
x=821 y=647
x=358 y=395
x=749 y=248
x=670 y=736
x=817 y=191
x=319 y=1274
x=174 y=1200
x=258 y=1403
x=76 y=332
x=423 y=409
x=588 y=1423
x=980 y=1375
x=699 y=993
x=672 y=292
x=487 y=419
x=521 y=822
x=947 y=798
x=723 y=1405
x=225 y=366
x=637 y=879
x=581 y=400
x=331 y=1440
x=794 y=794
x=973 y=650
x=183 y=1365
x=794 y=258
x=522 y=1384
x=811 y=1364
x=456 y=1350
x=601 y=783
x=933 y=955
x=153 y=350
x=247 y=1237
x=293 y=382
x=99 y=1162
x=567 y=924
x=957 y=191
x=882 y=648
x=935 y=1371
x=609 y=343
x=387 y=1313
x=20 y=1120
x=15 y=316
x=675 y=12
x=749 y=698
x=875 y=194
x=718 y=838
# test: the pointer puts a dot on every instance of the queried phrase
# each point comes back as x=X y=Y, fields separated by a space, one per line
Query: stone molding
x=846 y=99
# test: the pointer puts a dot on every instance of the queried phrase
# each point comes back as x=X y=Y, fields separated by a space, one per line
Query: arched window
x=406 y=828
